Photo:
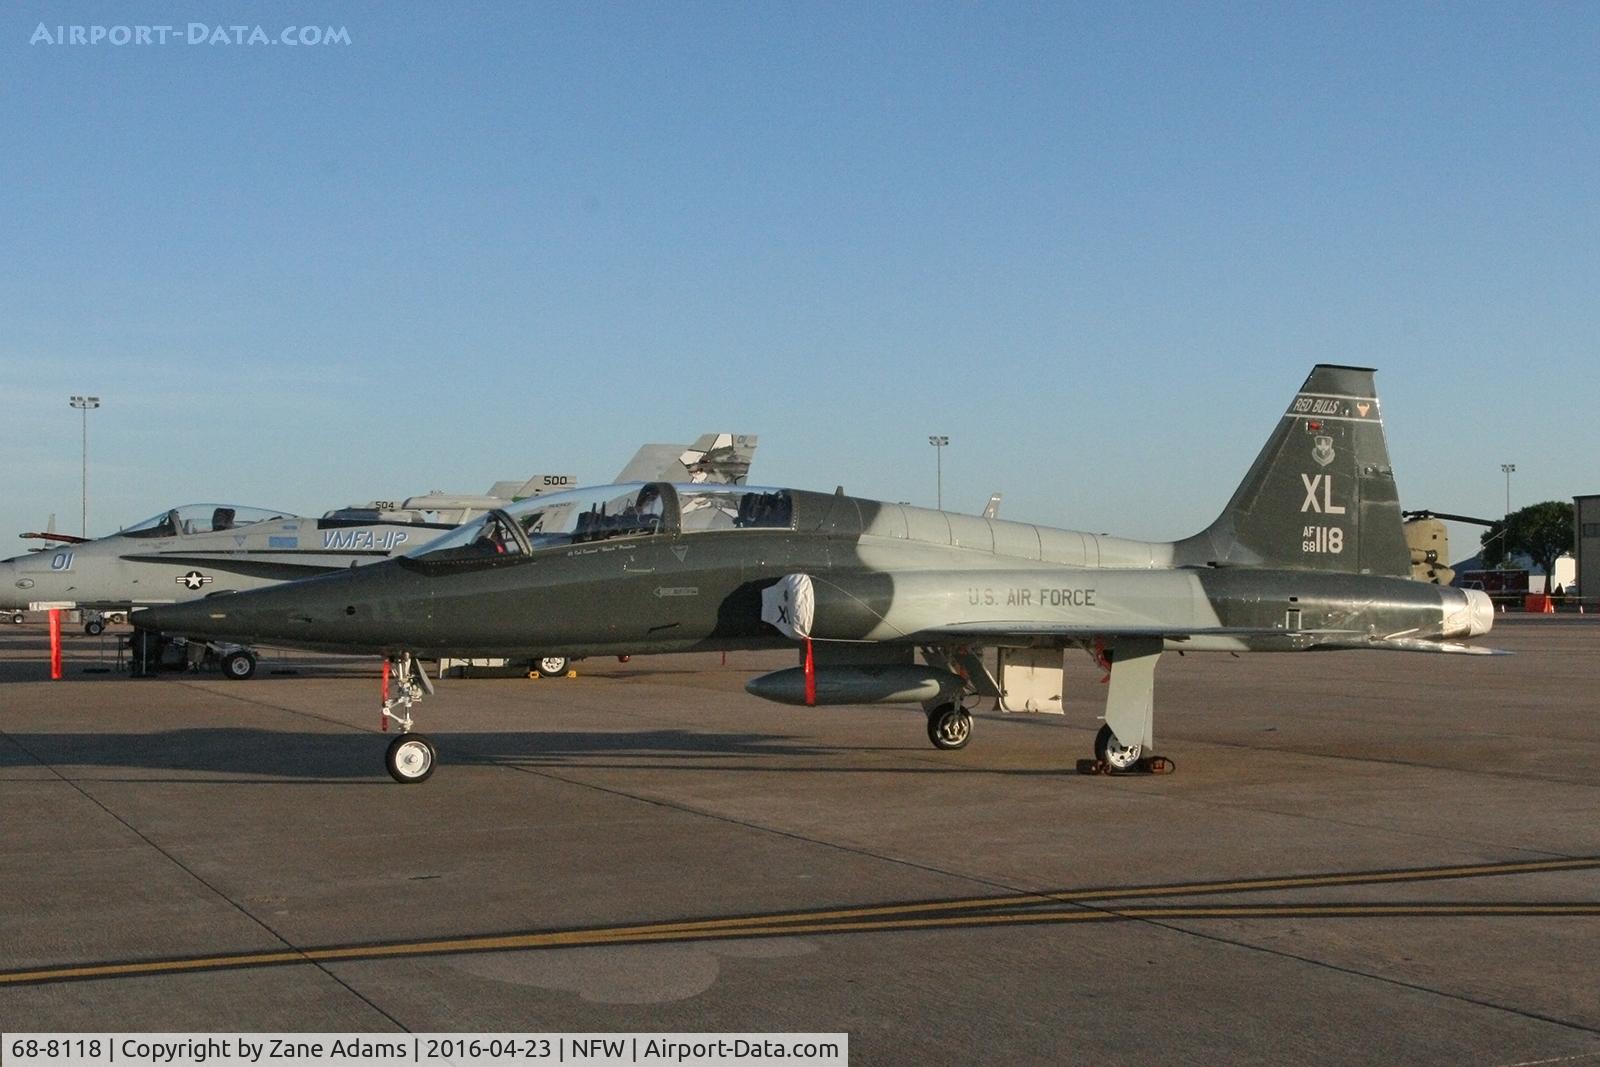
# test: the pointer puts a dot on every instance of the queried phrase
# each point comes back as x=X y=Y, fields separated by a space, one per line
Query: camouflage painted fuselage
x=881 y=572
x=1309 y=553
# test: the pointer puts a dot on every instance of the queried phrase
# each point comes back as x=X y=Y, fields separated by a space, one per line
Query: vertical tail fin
x=1321 y=495
x=714 y=458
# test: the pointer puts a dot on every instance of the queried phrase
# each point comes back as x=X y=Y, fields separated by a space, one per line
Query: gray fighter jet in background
x=200 y=550
x=1307 y=555
x=715 y=458
x=197 y=550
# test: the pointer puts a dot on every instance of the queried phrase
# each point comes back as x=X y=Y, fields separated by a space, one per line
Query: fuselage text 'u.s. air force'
x=359 y=540
x=1044 y=597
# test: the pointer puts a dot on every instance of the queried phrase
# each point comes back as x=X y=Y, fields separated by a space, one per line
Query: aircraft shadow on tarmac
x=107 y=669
x=263 y=757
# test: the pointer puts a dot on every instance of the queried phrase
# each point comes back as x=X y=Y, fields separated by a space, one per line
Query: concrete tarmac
x=1361 y=858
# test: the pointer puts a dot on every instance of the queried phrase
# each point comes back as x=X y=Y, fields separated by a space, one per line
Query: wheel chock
x=534 y=676
x=1147 y=765
x=572 y=673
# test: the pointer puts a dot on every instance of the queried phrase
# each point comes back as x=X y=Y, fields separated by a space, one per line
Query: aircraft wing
x=993 y=631
x=1333 y=640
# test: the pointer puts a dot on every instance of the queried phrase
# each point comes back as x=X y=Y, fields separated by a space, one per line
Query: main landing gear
x=1123 y=743
x=1111 y=756
x=551 y=666
x=1113 y=753
x=94 y=622
x=949 y=726
x=411 y=757
x=150 y=653
x=239 y=664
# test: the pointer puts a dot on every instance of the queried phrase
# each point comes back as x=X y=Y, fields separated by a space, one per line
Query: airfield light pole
x=1509 y=469
x=85 y=404
x=938 y=441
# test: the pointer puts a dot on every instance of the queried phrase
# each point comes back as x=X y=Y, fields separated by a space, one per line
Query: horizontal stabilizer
x=51 y=535
x=1417 y=644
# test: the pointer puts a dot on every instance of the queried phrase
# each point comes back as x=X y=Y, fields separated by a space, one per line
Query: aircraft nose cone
x=17 y=589
x=313 y=611
x=195 y=620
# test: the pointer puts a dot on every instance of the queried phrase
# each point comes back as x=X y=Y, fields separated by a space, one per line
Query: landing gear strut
x=411 y=757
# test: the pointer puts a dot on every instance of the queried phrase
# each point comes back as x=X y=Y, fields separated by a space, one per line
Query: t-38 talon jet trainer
x=200 y=550
x=1308 y=554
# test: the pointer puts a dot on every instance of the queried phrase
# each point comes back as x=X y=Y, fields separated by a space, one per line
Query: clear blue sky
x=1096 y=245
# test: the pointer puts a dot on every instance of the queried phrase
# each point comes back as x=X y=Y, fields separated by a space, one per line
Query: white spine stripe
x=1330 y=418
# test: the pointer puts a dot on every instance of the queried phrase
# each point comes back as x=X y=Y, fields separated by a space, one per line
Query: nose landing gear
x=411 y=757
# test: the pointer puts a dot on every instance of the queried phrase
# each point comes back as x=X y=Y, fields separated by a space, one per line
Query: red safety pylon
x=55 y=644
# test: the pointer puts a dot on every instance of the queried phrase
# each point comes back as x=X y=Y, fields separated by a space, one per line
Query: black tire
x=949 y=727
x=238 y=665
x=551 y=666
x=16 y=618
x=94 y=627
x=1113 y=753
x=411 y=759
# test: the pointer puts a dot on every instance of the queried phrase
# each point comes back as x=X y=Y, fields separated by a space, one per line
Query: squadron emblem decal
x=1323 y=452
x=193 y=580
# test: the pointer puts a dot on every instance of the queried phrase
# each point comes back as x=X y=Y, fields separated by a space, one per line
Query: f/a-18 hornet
x=1307 y=555
x=201 y=550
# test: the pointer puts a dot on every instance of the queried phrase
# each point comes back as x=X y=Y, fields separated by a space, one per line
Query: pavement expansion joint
x=1068 y=906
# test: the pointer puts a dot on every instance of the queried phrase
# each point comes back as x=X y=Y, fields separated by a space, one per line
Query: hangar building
x=1586 y=515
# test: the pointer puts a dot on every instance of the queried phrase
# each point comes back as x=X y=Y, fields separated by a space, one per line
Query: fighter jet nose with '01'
x=1308 y=554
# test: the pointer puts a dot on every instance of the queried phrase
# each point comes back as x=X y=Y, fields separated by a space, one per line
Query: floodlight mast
x=939 y=441
x=85 y=404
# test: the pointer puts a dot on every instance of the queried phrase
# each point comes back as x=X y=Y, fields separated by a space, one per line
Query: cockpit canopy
x=200 y=518
x=603 y=513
